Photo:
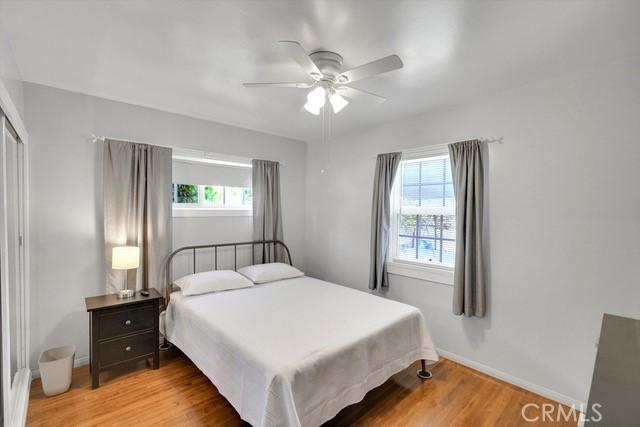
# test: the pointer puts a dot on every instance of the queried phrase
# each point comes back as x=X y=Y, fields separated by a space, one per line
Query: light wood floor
x=179 y=394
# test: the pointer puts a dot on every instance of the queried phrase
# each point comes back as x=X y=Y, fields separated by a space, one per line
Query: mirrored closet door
x=12 y=270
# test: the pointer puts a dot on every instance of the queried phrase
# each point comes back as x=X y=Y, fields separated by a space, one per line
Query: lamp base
x=125 y=293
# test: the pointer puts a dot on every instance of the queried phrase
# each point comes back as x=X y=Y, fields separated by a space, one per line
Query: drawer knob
x=127 y=348
x=128 y=322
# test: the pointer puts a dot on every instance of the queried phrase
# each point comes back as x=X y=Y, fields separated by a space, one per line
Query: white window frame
x=200 y=209
x=400 y=266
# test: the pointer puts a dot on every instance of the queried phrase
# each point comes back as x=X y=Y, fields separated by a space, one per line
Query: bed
x=295 y=352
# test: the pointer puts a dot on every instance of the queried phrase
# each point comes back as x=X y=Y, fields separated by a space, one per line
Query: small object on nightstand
x=123 y=330
x=125 y=293
x=144 y=293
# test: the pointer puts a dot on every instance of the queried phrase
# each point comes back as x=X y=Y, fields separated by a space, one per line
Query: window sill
x=195 y=212
x=442 y=275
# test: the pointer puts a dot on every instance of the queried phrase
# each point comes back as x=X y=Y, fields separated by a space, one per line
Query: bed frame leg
x=423 y=373
x=166 y=345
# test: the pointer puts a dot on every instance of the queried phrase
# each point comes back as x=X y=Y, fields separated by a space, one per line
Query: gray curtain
x=469 y=280
x=386 y=168
x=267 y=210
x=137 y=210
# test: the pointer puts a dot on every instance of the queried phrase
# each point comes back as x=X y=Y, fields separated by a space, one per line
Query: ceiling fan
x=328 y=79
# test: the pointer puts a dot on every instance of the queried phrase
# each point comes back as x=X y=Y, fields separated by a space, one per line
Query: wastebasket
x=56 y=368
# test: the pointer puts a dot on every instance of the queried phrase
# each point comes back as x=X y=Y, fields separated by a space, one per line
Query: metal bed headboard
x=268 y=253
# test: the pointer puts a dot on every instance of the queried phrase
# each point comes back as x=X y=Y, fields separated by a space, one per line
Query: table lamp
x=125 y=258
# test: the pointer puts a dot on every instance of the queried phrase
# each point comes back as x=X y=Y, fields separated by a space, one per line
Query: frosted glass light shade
x=125 y=257
x=317 y=97
x=313 y=109
x=337 y=102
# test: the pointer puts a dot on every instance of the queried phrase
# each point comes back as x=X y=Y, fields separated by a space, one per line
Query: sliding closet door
x=12 y=264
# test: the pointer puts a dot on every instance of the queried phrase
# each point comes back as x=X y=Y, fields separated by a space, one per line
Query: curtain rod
x=95 y=139
x=443 y=145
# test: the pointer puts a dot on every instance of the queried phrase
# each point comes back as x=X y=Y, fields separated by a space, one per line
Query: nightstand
x=123 y=330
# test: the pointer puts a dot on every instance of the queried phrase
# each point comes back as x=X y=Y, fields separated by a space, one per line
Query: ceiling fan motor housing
x=329 y=64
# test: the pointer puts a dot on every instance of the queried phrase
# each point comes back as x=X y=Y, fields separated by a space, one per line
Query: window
x=208 y=184
x=423 y=220
x=194 y=196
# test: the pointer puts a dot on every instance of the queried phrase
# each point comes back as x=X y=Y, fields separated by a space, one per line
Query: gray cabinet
x=615 y=388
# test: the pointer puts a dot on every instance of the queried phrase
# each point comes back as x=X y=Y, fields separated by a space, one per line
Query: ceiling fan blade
x=383 y=65
x=297 y=52
x=279 y=84
x=360 y=95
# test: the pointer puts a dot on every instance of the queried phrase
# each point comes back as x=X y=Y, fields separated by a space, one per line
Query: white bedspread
x=297 y=351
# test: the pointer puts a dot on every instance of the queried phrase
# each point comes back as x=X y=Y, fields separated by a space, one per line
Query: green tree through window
x=186 y=193
x=194 y=196
x=214 y=194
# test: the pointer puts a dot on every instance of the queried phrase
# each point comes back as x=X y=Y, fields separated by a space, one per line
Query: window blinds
x=185 y=172
x=426 y=228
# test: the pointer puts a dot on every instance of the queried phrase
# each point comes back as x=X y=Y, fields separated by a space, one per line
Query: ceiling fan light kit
x=316 y=99
x=329 y=81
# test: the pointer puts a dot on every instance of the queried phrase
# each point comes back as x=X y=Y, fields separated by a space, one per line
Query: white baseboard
x=534 y=388
x=22 y=383
x=79 y=361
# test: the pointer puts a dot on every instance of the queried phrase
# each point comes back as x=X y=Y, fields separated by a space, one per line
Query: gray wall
x=66 y=224
x=221 y=229
x=562 y=221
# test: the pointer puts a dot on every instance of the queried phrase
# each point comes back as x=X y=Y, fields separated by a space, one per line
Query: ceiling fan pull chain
x=323 y=142
x=328 y=144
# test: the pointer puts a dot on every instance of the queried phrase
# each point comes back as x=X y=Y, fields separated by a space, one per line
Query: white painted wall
x=66 y=223
x=562 y=211
x=10 y=74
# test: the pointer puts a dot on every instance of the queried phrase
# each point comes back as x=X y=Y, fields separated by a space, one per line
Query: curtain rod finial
x=95 y=138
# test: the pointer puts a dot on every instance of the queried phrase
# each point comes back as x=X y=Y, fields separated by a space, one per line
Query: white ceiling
x=191 y=57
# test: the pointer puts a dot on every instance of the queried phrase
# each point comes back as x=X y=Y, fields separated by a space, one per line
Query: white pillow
x=211 y=281
x=263 y=273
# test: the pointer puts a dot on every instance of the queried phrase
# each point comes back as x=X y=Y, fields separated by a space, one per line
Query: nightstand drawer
x=125 y=321
x=126 y=348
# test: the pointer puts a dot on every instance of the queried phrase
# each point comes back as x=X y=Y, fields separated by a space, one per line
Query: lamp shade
x=125 y=257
